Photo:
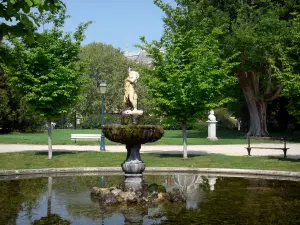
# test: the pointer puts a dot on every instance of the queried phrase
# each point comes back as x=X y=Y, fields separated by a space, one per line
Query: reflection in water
x=189 y=185
x=212 y=181
x=51 y=218
x=210 y=200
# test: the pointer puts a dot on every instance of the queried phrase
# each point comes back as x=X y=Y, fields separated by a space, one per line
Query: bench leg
x=249 y=151
x=284 y=152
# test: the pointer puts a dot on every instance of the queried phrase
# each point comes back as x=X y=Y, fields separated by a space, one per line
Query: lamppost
x=102 y=91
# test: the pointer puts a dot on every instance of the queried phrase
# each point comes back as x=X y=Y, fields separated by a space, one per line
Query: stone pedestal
x=212 y=130
x=133 y=165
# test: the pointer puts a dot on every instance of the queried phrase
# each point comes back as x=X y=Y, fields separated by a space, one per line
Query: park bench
x=85 y=136
x=284 y=148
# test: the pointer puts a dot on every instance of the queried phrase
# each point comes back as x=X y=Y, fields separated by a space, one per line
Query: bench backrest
x=267 y=138
x=85 y=136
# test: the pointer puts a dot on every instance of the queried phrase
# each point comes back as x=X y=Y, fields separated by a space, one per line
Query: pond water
x=211 y=199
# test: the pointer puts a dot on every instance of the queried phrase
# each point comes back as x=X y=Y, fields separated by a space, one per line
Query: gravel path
x=233 y=150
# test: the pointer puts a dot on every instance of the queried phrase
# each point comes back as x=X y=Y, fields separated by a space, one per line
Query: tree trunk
x=257 y=108
x=49 y=140
x=183 y=127
x=258 y=119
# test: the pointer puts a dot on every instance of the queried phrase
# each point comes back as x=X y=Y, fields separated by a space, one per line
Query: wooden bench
x=85 y=136
x=284 y=148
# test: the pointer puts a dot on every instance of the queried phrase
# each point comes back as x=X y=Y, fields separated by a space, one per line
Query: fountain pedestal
x=133 y=166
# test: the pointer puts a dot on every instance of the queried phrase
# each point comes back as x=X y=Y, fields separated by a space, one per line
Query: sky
x=116 y=22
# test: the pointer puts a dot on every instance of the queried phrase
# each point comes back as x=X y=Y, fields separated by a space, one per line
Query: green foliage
x=94 y=121
x=107 y=63
x=14 y=113
x=258 y=41
x=189 y=76
x=21 y=21
x=225 y=119
x=5 y=110
x=265 y=33
x=47 y=72
x=290 y=77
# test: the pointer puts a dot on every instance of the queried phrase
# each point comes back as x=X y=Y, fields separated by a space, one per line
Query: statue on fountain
x=130 y=97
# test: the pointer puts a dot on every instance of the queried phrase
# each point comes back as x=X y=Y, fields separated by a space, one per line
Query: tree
x=48 y=73
x=104 y=62
x=5 y=111
x=21 y=21
x=290 y=76
x=265 y=34
x=189 y=77
x=18 y=20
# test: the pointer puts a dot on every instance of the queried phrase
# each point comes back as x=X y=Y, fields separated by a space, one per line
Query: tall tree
x=189 y=76
x=262 y=32
x=104 y=62
x=47 y=73
x=18 y=20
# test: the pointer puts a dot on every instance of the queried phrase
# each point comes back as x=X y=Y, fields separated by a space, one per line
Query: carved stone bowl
x=133 y=134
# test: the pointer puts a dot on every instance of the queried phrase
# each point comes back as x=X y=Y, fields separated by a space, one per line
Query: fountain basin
x=133 y=134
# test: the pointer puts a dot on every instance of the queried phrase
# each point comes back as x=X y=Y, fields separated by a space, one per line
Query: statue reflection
x=190 y=184
x=212 y=181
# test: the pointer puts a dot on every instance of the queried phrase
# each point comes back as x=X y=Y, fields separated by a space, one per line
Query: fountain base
x=133 y=165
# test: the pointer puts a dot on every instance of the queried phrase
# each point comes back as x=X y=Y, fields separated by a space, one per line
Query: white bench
x=85 y=136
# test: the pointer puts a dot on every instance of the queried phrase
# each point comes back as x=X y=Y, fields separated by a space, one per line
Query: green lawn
x=171 y=137
x=34 y=160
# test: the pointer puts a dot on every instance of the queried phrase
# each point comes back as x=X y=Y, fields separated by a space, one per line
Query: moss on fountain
x=129 y=134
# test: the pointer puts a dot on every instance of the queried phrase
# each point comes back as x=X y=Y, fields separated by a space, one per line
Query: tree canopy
x=258 y=38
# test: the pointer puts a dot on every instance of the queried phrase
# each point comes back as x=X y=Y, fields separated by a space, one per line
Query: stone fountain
x=130 y=133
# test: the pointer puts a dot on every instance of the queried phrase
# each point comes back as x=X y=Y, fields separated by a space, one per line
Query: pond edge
x=151 y=169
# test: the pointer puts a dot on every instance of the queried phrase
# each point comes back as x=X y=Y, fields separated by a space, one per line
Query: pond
x=210 y=199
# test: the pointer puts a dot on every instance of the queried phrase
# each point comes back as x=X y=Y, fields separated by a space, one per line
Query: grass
x=35 y=160
x=171 y=137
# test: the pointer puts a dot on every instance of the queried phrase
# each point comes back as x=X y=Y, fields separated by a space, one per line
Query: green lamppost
x=102 y=91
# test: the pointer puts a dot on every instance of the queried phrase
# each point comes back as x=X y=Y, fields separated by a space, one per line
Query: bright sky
x=116 y=22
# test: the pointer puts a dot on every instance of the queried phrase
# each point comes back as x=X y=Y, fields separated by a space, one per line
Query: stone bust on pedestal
x=212 y=126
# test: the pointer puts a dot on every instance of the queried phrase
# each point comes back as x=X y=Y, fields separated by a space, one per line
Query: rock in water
x=128 y=196
x=109 y=199
x=176 y=196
